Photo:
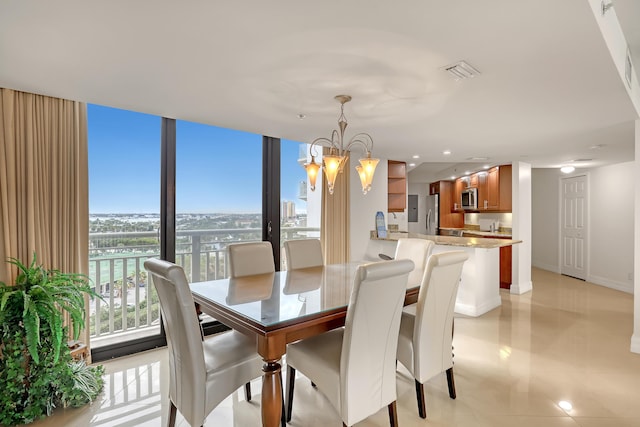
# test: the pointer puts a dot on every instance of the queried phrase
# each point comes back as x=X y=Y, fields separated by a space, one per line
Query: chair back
x=418 y=251
x=368 y=359
x=432 y=330
x=303 y=253
x=184 y=340
x=246 y=259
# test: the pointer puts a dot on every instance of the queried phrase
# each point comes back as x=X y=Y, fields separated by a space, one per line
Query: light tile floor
x=567 y=340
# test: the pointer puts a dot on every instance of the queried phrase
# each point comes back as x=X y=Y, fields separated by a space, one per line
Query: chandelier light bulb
x=334 y=162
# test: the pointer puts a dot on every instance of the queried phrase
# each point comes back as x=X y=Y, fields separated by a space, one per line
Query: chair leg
x=291 y=380
x=452 y=384
x=171 y=419
x=393 y=414
x=422 y=406
x=247 y=392
x=283 y=412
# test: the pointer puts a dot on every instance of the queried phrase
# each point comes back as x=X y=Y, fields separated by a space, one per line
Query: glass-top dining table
x=280 y=308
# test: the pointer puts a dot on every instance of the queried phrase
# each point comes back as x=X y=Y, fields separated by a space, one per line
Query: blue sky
x=218 y=170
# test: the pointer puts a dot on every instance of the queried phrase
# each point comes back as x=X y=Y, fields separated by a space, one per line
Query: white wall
x=635 y=338
x=521 y=228
x=545 y=219
x=610 y=257
x=611 y=213
x=422 y=190
x=364 y=207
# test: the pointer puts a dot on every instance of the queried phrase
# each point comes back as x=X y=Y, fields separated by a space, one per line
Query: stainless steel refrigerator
x=432 y=209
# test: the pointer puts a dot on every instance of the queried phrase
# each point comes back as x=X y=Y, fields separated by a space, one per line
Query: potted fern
x=36 y=368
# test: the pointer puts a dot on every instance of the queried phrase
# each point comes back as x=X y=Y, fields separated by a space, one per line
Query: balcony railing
x=116 y=267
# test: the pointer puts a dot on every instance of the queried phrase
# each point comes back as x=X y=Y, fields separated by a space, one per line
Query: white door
x=574 y=226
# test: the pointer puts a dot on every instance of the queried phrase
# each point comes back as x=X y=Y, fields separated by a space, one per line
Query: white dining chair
x=418 y=251
x=303 y=253
x=246 y=259
x=355 y=366
x=201 y=373
x=426 y=329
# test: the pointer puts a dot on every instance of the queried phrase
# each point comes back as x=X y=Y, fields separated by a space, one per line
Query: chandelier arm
x=366 y=142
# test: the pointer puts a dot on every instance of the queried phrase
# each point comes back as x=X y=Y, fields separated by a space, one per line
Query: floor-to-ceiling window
x=218 y=196
x=124 y=207
x=300 y=206
x=182 y=191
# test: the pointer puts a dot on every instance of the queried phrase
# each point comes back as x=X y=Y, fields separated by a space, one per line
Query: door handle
x=269 y=229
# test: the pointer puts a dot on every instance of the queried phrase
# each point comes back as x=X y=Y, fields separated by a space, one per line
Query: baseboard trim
x=612 y=284
x=479 y=310
x=521 y=288
x=635 y=343
x=548 y=267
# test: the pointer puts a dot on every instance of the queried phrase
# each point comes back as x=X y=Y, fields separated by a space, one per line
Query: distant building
x=288 y=210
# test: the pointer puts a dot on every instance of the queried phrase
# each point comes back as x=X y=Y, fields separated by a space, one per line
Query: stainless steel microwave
x=469 y=199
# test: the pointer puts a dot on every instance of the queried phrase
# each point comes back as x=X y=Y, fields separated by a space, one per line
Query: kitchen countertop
x=473 y=242
x=480 y=233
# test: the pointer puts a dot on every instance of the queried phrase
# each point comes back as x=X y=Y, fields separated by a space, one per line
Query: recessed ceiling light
x=411 y=165
x=597 y=146
x=446 y=152
x=567 y=169
x=467 y=172
x=478 y=159
x=485 y=167
x=415 y=156
x=453 y=177
x=567 y=406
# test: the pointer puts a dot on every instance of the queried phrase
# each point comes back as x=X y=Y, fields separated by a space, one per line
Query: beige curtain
x=43 y=183
x=334 y=222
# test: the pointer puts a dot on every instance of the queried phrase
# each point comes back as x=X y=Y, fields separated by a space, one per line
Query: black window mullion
x=271 y=194
x=168 y=191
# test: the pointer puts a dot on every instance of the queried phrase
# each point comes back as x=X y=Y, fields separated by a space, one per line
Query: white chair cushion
x=319 y=358
x=230 y=358
x=405 y=340
x=418 y=251
x=246 y=259
x=303 y=253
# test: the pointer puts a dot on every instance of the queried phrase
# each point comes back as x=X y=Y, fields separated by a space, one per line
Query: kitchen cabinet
x=448 y=218
x=434 y=188
x=499 y=188
x=482 y=190
x=460 y=185
x=505 y=259
x=494 y=189
x=397 y=186
x=505 y=267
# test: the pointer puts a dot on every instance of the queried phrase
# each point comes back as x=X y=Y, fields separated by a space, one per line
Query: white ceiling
x=548 y=91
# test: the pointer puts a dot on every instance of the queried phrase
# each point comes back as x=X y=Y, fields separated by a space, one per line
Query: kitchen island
x=479 y=290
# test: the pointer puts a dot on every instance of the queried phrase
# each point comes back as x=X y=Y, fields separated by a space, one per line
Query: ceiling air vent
x=461 y=70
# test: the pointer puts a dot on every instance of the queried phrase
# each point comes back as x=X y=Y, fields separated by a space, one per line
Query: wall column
x=521 y=228
x=635 y=338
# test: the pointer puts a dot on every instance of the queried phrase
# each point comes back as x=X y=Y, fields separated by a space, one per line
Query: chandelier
x=334 y=162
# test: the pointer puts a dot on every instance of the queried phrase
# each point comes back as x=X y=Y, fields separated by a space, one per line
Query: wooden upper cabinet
x=473 y=181
x=505 y=188
x=498 y=193
x=493 y=188
x=448 y=217
x=482 y=190
x=434 y=188
x=460 y=185
x=397 y=186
